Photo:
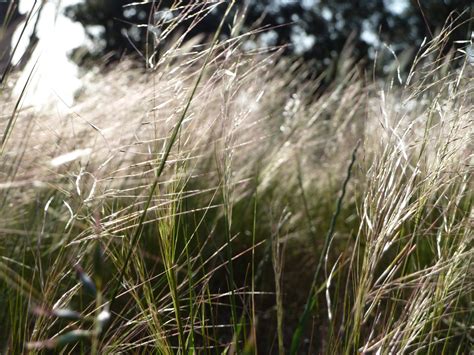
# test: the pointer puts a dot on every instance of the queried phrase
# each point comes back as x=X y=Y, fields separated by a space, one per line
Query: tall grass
x=205 y=201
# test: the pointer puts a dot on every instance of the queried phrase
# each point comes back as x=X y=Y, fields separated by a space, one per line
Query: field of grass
x=227 y=201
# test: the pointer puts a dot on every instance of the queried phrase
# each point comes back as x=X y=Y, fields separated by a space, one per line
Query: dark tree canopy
x=315 y=30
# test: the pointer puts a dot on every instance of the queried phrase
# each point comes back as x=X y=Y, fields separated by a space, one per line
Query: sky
x=55 y=78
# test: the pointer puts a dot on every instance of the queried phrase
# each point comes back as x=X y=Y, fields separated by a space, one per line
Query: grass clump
x=218 y=204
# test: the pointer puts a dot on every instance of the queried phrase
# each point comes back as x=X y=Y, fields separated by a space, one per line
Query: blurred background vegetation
x=314 y=30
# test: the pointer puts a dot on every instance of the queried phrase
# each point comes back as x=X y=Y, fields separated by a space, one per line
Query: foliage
x=315 y=30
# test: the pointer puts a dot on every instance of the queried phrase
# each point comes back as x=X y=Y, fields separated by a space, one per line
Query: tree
x=315 y=30
x=118 y=29
x=10 y=18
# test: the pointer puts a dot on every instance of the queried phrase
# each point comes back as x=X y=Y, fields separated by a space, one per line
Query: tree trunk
x=10 y=18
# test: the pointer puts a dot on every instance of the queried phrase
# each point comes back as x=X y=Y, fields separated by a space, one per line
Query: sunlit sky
x=55 y=76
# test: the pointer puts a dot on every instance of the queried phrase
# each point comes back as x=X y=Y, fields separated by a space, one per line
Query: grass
x=216 y=203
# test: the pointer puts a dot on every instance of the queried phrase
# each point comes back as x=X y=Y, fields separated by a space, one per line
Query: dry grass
x=251 y=181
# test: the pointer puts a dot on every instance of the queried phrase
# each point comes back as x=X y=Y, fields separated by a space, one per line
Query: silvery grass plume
x=410 y=268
